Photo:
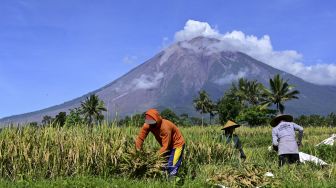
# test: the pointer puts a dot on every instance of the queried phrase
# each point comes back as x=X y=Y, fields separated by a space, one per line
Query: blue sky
x=52 y=51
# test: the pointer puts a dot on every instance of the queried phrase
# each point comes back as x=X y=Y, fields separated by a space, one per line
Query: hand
x=299 y=144
x=275 y=148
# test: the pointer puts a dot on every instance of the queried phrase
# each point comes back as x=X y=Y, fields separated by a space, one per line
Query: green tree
x=331 y=119
x=126 y=121
x=229 y=106
x=60 y=119
x=185 y=120
x=133 y=120
x=170 y=115
x=184 y=116
x=279 y=92
x=74 y=117
x=196 y=121
x=138 y=119
x=92 y=109
x=47 y=120
x=203 y=103
x=255 y=115
x=249 y=92
x=312 y=120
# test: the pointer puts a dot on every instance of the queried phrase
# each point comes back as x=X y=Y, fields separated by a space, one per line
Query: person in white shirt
x=283 y=138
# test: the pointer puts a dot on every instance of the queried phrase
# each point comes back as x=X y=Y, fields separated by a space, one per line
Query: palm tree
x=249 y=91
x=92 y=109
x=279 y=92
x=203 y=103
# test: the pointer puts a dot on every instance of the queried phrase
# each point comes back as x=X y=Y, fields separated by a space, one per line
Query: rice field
x=105 y=156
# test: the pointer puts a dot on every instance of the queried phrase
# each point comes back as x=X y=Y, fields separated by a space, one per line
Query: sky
x=52 y=51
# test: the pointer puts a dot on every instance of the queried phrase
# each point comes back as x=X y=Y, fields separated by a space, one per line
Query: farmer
x=168 y=136
x=283 y=137
x=231 y=138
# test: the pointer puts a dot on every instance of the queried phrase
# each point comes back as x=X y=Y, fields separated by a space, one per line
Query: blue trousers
x=174 y=160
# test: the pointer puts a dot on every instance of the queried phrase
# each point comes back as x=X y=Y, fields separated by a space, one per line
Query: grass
x=105 y=157
x=98 y=182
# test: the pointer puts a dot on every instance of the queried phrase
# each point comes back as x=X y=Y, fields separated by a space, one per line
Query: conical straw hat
x=230 y=124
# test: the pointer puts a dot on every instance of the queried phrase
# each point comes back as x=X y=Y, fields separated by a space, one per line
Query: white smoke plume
x=229 y=78
x=147 y=81
x=130 y=59
x=261 y=49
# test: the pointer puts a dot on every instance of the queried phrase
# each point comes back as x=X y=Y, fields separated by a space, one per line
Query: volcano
x=173 y=77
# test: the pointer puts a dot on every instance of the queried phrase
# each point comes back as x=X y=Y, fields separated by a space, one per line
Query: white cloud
x=167 y=53
x=194 y=29
x=229 y=78
x=165 y=42
x=261 y=49
x=147 y=81
x=130 y=59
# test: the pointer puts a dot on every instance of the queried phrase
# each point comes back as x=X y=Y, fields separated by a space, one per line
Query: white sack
x=329 y=141
x=304 y=157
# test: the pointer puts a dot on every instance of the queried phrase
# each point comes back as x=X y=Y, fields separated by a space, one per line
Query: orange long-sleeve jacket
x=165 y=132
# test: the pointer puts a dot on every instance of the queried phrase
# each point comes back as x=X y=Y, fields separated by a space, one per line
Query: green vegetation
x=279 y=92
x=229 y=106
x=317 y=120
x=90 y=112
x=249 y=92
x=104 y=156
x=248 y=101
x=60 y=118
x=203 y=103
x=92 y=109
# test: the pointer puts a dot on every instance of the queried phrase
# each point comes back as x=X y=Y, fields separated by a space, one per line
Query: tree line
x=90 y=112
x=248 y=101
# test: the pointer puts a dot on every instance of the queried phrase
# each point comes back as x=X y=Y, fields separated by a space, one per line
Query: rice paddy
x=30 y=156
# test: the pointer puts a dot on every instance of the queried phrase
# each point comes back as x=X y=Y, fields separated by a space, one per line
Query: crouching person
x=283 y=138
x=168 y=136
x=229 y=138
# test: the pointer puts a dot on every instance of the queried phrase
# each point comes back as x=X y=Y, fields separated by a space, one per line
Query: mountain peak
x=200 y=46
x=172 y=78
x=202 y=40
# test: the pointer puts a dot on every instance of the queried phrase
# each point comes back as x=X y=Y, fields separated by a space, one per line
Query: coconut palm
x=279 y=92
x=203 y=103
x=92 y=109
x=249 y=91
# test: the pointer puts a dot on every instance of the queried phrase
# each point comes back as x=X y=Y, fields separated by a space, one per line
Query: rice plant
x=48 y=153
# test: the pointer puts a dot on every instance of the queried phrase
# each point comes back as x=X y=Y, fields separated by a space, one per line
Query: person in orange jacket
x=167 y=134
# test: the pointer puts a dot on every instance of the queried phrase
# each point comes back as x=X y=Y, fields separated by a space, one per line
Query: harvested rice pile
x=142 y=164
x=247 y=175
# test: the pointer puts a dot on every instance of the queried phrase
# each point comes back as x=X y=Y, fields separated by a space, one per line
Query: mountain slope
x=173 y=77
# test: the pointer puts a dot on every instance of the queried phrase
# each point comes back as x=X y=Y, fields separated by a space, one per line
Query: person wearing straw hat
x=229 y=137
x=283 y=138
x=169 y=137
